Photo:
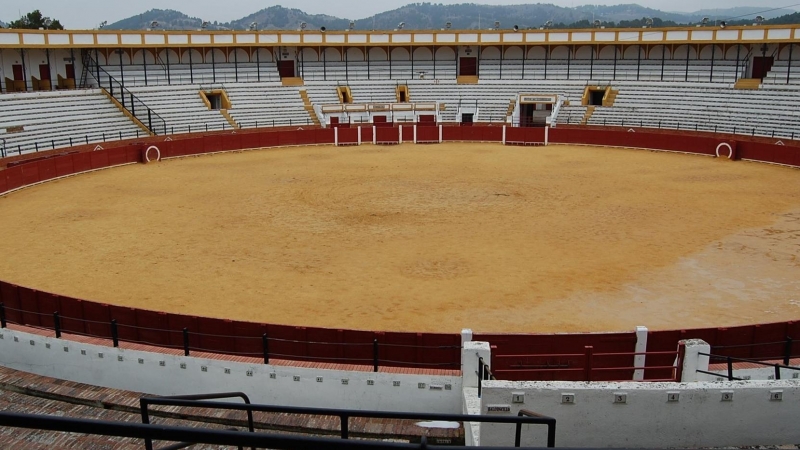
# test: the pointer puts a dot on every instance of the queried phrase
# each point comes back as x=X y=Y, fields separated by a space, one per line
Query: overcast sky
x=88 y=13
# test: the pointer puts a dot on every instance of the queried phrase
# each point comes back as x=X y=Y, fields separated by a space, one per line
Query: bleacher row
x=43 y=120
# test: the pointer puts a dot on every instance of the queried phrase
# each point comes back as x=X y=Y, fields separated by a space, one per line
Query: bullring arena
x=597 y=241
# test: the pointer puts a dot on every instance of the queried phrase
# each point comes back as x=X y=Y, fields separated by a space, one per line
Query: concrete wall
x=161 y=374
x=630 y=414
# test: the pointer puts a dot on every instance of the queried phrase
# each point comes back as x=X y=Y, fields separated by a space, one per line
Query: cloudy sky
x=88 y=13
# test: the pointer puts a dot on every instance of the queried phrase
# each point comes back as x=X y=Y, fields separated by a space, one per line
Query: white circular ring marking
x=147 y=153
x=730 y=149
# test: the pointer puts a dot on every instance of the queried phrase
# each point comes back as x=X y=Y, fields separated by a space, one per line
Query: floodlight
x=516 y=28
x=352 y=25
x=704 y=21
x=448 y=25
x=597 y=23
x=322 y=29
x=496 y=24
x=253 y=26
x=154 y=24
x=303 y=25
x=204 y=25
x=401 y=25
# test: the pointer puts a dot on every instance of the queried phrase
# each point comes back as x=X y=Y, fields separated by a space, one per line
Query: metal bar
x=344 y=420
x=265 y=347
x=730 y=369
x=186 y=342
x=201 y=436
x=3 y=323
x=375 y=355
x=57 y=324
x=777 y=371
x=551 y=428
x=588 y=365
x=787 y=351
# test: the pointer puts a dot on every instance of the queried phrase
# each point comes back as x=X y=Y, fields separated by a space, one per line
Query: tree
x=34 y=21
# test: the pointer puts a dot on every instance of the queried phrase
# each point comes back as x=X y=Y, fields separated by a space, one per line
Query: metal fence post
x=730 y=368
x=186 y=342
x=265 y=347
x=787 y=351
x=57 y=324
x=589 y=351
x=375 y=355
x=2 y=315
x=114 y=333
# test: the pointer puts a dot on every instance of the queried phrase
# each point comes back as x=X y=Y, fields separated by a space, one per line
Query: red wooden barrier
x=386 y=135
x=81 y=162
x=366 y=134
x=348 y=136
x=429 y=134
x=47 y=169
x=63 y=166
x=9 y=295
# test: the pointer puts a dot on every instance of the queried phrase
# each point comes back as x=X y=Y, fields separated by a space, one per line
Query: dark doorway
x=468 y=66
x=762 y=65
x=467 y=119
x=215 y=100
x=70 y=69
x=526 y=115
x=18 y=75
x=44 y=72
x=596 y=98
x=286 y=69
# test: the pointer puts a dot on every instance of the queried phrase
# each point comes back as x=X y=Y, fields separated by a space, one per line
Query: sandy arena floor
x=422 y=238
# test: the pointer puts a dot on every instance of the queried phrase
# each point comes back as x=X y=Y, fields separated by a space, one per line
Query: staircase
x=309 y=107
x=587 y=115
x=230 y=119
x=467 y=79
x=511 y=105
x=748 y=84
x=127 y=113
x=610 y=97
x=292 y=81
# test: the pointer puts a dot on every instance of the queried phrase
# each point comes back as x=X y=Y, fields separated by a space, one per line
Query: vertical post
x=3 y=323
x=504 y=135
x=114 y=333
x=480 y=376
x=587 y=374
x=169 y=80
x=789 y=69
x=144 y=64
x=711 y=76
x=614 y=76
x=335 y=135
x=787 y=351
x=400 y=134
x=374 y=135
x=738 y=52
x=440 y=133
x=265 y=347
x=415 y=133
x=777 y=371
x=344 y=425
x=546 y=135
x=375 y=355
x=639 y=360
x=186 y=342
x=57 y=324
x=730 y=368
x=686 y=78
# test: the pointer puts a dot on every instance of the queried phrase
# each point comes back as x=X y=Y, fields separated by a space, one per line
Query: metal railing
x=729 y=360
x=484 y=373
x=344 y=415
x=208 y=436
x=669 y=124
x=368 y=353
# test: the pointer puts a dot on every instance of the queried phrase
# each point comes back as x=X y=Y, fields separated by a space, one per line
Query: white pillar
x=466 y=336
x=336 y=136
x=440 y=134
x=415 y=134
x=504 y=135
x=471 y=352
x=374 y=135
x=546 y=135
x=693 y=360
x=400 y=134
x=641 y=347
x=359 y=135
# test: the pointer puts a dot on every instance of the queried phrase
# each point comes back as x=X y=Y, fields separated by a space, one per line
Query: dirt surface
x=422 y=238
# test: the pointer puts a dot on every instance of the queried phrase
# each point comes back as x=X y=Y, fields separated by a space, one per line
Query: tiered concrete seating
x=782 y=72
x=157 y=74
x=57 y=119
x=181 y=107
x=378 y=70
x=705 y=107
x=266 y=105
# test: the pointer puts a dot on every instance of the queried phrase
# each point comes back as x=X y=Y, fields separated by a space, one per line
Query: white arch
x=560 y=52
x=607 y=52
x=514 y=52
x=377 y=54
x=219 y=56
x=784 y=54
x=537 y=52
x=262 y=55
x=731 y=52
x=400 y=54
x=143 y=56
x=445 y=54
x=707 y=51
x=331 y=54
x=196 y=57
x=239 y=55
x=114 y=58
x=423 y=54
x=584 y=52
x=354 y=54
x=309 y=55
x=633 y=52
x=681 y=51
x=659 y=51
x=490 y=53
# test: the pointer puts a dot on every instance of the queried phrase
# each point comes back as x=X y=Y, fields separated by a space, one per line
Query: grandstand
x=79 y=101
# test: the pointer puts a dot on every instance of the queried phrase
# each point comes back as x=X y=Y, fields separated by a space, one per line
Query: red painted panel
x=515 y=134
x=30 y=173
x=3 y=182
x=47 y=169
x=212 y=335
x=230 y=142
x=29 y=306
x=348 y=135
x=427 y=134
x=323 y=136
x=387 y=134
x=9 y=294
x=176 y=323
x=71 y=311
x=322 y=344
x=133 y=153
x=287 y=342
x=251 y=140
x=117 y=156
x=64 y=165
x=126 y=322
x=184 y=147
x=451 y=134
x=153 y=327
x=493 y=134
x=98 y=319
x=47 y=304
x=99 y=159
x=248 y=340
x=81 y=162
x=407 y=132
x=268 y=139
x=360 y=349
x=366 y=134
x=305 y=137
x=287 y=138
x=472 y=133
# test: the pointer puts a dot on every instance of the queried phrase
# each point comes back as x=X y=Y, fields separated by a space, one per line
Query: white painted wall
x=160 y=374
x=700 y=417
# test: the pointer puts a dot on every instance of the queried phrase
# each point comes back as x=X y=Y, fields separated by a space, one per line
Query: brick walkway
x=33 y=394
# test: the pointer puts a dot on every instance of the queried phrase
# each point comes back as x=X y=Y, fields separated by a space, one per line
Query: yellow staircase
x=309 y=107
x=230 y=120
x=292 y=81
x=467 y=79
x=126 y=112
x=511 y=105
x=402 y=94
x=610 y=97
x=748 y=84
x=587 y=115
